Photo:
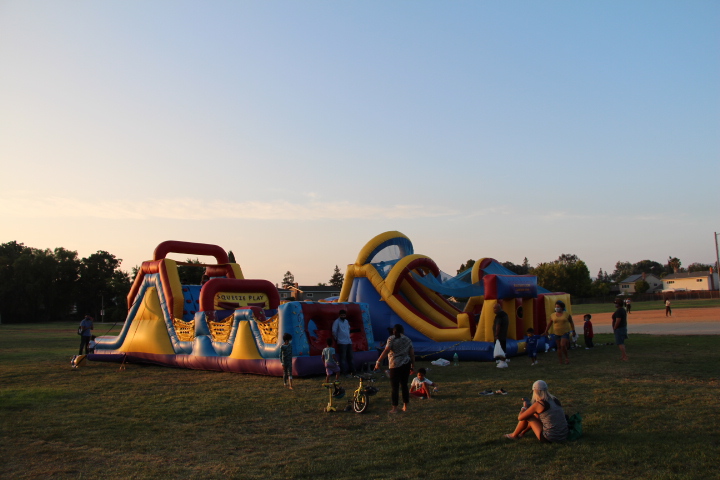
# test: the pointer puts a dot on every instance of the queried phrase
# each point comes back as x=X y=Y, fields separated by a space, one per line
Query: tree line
x=569 y=274
x=44 y=285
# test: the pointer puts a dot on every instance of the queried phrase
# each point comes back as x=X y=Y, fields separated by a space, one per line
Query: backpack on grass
x=574 y=427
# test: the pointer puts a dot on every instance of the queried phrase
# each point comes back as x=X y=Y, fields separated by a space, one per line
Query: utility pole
x=717 y=259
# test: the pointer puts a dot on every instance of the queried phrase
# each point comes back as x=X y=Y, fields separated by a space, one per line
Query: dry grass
x=652 y=417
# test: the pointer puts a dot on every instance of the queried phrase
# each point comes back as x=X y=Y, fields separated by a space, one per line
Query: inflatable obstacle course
x=400 y=286
x=227 y=324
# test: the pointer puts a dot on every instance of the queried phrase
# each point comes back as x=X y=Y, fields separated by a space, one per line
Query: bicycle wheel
x=360 y=403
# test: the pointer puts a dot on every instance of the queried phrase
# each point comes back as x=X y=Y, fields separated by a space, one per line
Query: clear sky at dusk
x=294 y=132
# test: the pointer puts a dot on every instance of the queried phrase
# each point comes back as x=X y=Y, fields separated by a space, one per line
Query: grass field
x=653 y=417
x=594 y=308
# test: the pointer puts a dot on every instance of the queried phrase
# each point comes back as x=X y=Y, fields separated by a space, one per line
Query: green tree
x=700 y=267
x=622 y=271
x=191 y=274
x=96 y=274
x=466 y=266
x=337 y=278
x=567 y=274
x=526 y=266
x=673 y=265
x=288 y=280
x=648 y=266
x=641 y=286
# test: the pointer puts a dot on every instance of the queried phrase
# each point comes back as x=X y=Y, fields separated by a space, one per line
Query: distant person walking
x=628 y=305
x=86 y=327
x=619 y=325
x=668 y=310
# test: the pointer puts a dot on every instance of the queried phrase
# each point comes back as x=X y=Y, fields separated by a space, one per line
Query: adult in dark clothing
x=619 y=324
x=500 y=329
x=86 y=334
x=401 y=358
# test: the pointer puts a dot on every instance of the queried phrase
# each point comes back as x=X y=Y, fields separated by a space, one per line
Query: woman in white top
x=401 y=357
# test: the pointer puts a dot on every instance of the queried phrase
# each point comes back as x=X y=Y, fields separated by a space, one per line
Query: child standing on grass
x=421 y=385
x=531 y=345
x=330 y=360
x=588 y=332
x=286 y=360
x=91 y=345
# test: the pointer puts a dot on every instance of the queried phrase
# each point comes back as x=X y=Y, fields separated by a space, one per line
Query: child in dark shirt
x=286 y=360
x=588 y=332
x=531 y=345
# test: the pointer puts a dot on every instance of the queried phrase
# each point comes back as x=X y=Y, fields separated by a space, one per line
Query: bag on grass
x=498 y=350
x=574 y=427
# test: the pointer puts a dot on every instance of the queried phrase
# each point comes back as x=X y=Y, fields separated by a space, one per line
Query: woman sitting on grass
x=544 y=415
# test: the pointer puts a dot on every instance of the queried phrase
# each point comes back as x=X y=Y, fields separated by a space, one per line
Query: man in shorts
x=619 y=324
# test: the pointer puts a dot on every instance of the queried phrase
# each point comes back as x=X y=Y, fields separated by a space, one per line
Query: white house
x=688 y=281
x=628 y=285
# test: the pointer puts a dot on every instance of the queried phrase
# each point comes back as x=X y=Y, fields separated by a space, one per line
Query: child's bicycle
x=361 y=396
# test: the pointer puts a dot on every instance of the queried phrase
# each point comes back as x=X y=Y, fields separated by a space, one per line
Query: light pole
x=717 y=261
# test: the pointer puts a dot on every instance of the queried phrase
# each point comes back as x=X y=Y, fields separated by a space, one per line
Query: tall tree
x=648 y=266
x=622 y=271
x=96 y=273
x=641 y=286
x=526 y=265
x=700 y=267
x=466 y=265
x=288 y=280
x=337 y=278
x=673 y=265
x=191 y=274
x=567 y=274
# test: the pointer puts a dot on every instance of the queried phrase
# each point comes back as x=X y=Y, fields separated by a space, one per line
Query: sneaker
x=502 y=365
x=502 y=391
x=507 y=360
x=486 y=393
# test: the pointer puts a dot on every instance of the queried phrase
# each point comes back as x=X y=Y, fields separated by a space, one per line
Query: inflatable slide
x=403 y=287
x=228 y=324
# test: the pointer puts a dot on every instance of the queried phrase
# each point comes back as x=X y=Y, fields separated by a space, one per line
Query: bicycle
x=361 y=396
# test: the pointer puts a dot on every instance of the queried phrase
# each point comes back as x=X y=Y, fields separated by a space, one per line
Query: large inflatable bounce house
x=400 y=286
x=228 y=324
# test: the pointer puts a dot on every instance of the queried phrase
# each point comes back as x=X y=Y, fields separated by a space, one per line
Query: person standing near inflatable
x=401 y=358
x=500 y=329
x=86 y=327
x=562 y=324
x=619 y=324
x=341 y=333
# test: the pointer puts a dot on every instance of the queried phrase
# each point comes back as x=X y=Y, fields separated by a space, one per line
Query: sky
x=292 y=133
